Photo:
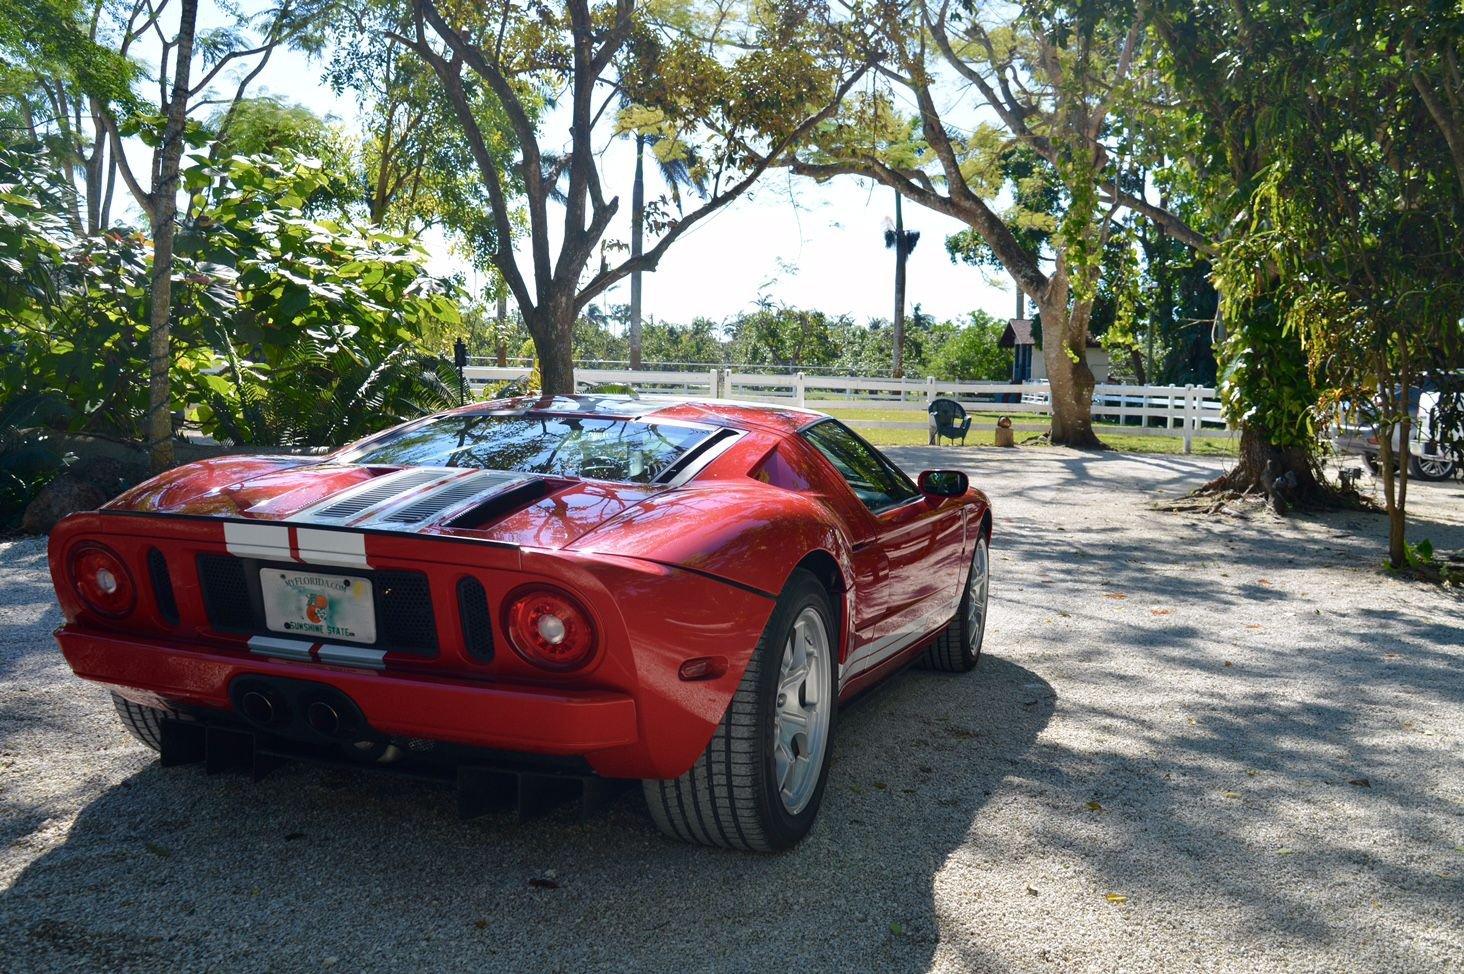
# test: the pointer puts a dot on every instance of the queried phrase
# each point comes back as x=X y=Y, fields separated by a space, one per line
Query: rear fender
x=750 y=534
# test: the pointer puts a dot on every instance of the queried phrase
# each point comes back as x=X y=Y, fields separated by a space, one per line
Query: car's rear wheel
x=143 y=723
x=759 y=783
x=958 y=647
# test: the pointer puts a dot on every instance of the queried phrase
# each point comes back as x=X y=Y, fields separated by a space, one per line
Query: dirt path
x=1192 y=744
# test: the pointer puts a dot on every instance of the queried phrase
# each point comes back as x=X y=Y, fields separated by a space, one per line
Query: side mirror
x=943 y=483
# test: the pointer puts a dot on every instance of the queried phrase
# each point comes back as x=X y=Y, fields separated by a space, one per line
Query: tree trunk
x=1071 y=381
x=552 y=327
x=1072 y=396
x=1136 y=359
x=1259 y=460
x=501 y=339
x=1396 y=418
x=165 y=214
x=899 y=359
x=637 y=231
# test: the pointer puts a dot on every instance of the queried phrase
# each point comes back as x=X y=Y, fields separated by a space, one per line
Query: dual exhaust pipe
x=298 y=709
x=258 y=708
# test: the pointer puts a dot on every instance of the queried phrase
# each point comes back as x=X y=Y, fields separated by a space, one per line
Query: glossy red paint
x=668 y=574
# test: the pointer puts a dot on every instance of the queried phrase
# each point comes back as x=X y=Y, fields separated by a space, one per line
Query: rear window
x=590 y=447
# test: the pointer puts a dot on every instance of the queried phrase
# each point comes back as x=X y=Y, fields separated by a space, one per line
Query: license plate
x=325 y=606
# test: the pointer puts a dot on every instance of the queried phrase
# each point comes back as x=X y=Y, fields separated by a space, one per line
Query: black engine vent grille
x=404 y=612
x=477 y=622
x=226 y=594
x=162 y=586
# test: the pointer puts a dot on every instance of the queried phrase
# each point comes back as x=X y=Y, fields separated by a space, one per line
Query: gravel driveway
x=1193 y=744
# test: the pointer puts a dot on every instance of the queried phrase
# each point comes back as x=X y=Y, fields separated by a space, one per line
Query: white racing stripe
x=322 y=547
x=270 y=541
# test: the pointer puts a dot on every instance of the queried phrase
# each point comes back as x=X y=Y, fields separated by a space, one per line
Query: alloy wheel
x=801 y=711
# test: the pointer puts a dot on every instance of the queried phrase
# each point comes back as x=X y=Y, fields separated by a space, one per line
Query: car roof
x=711 y=412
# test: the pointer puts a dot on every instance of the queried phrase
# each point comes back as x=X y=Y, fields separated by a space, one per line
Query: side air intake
x=162 y=586
x=476 y=619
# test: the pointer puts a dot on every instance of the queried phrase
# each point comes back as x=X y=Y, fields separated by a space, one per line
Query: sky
x=790 y=239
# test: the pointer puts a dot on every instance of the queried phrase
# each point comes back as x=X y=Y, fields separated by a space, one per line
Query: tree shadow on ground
x=172 y=867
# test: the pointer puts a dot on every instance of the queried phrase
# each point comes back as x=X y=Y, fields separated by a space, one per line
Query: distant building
x=1027 y=362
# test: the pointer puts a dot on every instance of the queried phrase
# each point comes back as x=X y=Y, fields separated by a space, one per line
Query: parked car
x=1429 y=453
x=548 y=593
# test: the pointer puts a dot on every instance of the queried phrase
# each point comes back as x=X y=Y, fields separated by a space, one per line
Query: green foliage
x=53 y=38
x=288 y=330
x=1423 y=562
x=1350 y=239
x=319 y=344
x=781 y=335
x=970 y=353
x=268 y=126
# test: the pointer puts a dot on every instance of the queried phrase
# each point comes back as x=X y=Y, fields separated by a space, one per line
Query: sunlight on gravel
x=1192 y=744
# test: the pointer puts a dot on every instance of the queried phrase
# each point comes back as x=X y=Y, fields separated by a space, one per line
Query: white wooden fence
x=1186 y=411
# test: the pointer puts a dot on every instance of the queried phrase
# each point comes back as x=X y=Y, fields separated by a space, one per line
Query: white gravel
x=1158 y=766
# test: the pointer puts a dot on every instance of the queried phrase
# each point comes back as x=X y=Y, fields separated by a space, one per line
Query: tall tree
x=161 y=205
x=1048 y=74
x=1352 y=227
x=744 y=85
x=59 y=60
x=163 y=129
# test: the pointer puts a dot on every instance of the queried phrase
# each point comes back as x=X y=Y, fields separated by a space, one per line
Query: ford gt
x=546 y=593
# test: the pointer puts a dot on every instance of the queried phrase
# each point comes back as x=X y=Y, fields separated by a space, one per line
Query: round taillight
x=102 y=580
x=549 y=629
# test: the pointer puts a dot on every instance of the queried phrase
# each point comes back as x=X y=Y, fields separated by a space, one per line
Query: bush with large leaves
x=321 y=343
x=72 y=327
x=290 y=329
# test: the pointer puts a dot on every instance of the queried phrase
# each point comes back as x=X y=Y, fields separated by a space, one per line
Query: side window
x=874 y=480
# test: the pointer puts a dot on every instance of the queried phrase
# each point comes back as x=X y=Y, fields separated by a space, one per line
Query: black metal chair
x=949 y=420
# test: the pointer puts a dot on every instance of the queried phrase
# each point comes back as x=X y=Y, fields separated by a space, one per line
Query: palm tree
x=675 y=173
x=902 y=241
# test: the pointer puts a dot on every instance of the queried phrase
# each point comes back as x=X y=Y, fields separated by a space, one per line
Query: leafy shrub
x=320 y=343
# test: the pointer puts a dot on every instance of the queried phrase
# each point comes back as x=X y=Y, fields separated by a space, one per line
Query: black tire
x=143 y=723
x=730 y=798
x=958 y=647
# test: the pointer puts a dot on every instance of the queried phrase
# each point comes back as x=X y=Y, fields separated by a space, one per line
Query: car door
x=912 y=555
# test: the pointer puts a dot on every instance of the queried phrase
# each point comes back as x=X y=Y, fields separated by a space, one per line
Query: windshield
x=592 y=447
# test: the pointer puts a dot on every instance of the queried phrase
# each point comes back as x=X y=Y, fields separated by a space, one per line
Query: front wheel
x=958 y=647
x=759 y=783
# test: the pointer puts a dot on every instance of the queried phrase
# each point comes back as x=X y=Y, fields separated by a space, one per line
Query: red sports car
x=545 y=593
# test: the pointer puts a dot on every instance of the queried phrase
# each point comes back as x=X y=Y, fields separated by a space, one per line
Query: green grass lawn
x=983 y=426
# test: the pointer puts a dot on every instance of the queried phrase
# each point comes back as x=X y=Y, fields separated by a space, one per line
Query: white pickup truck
x=1429 y=454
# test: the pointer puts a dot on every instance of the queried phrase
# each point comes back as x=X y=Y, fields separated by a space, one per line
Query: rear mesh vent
x=162 y=586
x=225 y=592
x=454 y=493
x=477 y=623
x=404 y=613
x=382 y=489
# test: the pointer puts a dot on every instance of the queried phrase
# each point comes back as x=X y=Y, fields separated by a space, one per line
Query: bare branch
x=648 y=260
